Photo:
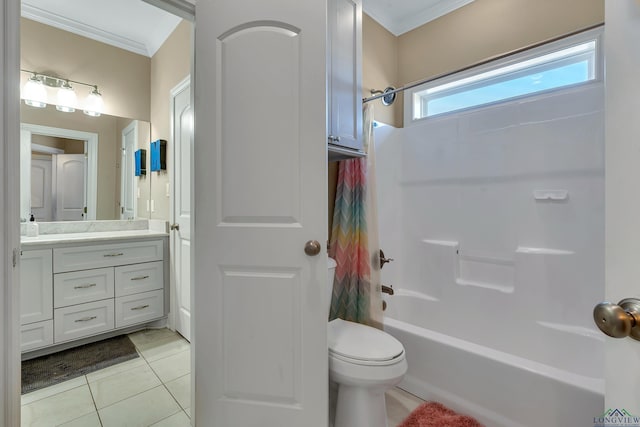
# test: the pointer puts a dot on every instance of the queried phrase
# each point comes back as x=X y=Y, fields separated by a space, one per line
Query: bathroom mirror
x=76 y=167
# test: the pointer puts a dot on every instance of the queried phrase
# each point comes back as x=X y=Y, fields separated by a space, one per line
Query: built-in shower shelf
x=492 y=286
x=542 y=251
x=575 y=330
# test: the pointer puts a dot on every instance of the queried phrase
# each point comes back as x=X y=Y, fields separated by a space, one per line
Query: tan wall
x=380 y=68
x=106 y=128
x=169 y=66
x=70 y=146
x=123 y=77
x=486 y=28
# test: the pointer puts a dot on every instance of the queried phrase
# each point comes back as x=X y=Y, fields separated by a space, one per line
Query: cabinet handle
x=86 y=319
x=140 y=307
x=334 y=138
x=85 y=286
x=112 y=255
x=140 y=278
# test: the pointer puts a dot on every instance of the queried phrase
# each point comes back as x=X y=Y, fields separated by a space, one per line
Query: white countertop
x=93 y=236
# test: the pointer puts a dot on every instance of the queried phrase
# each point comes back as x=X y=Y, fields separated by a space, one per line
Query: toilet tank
x=332 y=272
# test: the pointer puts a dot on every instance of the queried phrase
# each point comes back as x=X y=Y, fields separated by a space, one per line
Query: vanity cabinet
x=345 y=78
x=71 y=292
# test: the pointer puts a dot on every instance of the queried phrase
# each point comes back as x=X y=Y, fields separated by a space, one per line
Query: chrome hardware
x=619 y=321
x=334 y=138
x=387 y=289
x=112 y=255
x=384 y=260
x=140 y=307
x=312 y=248
x=85 y=286
x=174 y=226
x=86 y=319
x=140 y=278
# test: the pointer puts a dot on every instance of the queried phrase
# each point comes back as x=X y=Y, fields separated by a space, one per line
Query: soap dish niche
x=551 y=195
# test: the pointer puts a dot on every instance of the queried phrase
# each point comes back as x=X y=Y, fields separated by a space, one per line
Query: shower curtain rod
x=481 y=62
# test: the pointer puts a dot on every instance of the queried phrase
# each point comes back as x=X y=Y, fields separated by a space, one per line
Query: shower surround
x=495 y=217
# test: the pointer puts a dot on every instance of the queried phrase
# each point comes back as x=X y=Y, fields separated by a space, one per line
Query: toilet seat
x=362 y=345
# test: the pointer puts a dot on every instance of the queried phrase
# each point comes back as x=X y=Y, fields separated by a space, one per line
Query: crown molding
x=72 y=26
x=416 y=19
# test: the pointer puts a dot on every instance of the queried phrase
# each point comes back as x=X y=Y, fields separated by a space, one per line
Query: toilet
x=364 y=362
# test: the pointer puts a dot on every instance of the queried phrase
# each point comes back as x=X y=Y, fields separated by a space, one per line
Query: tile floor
x=152 y=390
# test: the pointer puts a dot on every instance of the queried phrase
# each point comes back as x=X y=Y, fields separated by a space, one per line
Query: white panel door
x=41 y=179
x=128 y=188
x=36 y=286
x=70 y=187
x=181 y=201
x=622 y=197
x=260 y=319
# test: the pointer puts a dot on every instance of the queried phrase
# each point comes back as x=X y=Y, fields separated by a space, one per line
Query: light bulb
x=94 y=104
x=66 y=99
x=34 y=93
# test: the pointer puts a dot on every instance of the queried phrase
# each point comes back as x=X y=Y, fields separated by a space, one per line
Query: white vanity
x=79 y=287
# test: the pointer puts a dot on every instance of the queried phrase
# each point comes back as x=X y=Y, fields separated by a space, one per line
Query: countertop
x=93 y=236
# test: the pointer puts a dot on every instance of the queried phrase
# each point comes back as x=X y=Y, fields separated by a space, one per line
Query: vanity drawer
x=36 y=335
x=137 y=278
x=139 y=308
x=107 y=255
x=78 y=287
x=83 y=320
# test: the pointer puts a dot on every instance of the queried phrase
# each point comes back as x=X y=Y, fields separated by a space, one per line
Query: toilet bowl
x=364 y=362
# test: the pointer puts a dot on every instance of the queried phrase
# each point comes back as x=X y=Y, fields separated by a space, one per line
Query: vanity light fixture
x=34 y=94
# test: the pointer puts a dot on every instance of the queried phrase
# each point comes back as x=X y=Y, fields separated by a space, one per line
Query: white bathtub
x=497 y=388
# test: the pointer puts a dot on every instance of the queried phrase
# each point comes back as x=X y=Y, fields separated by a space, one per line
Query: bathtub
x=498 y=388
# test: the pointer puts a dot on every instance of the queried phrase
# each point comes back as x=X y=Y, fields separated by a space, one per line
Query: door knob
x=312 y=247
x=619 y=320
x=175 y=226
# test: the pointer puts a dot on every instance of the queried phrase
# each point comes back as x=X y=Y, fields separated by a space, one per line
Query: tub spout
x=387 y=289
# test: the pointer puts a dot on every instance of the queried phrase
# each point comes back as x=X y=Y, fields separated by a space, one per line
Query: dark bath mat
x=58 y=367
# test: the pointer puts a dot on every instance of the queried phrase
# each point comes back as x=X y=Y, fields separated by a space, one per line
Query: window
x=553 y=66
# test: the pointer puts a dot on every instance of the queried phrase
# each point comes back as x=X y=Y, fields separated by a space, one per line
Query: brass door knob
x=312 y=248
x=619 y=320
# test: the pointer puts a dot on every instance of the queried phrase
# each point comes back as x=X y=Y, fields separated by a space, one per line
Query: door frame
x=91 y=151
x=173 y=307
x=10 y=202
x=133 y=125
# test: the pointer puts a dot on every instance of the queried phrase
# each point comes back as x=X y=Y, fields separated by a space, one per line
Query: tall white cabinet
x=345 y=76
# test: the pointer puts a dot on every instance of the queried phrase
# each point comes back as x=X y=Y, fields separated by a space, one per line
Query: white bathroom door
x=181 y=204
x=70 y=187
x=260 y=319
x=622 y=224
x=128 y=188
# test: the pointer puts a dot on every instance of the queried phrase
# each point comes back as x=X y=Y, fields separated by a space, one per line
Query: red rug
x=433 y=414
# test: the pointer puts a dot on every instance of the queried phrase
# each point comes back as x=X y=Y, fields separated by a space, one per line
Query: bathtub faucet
x=387 y=289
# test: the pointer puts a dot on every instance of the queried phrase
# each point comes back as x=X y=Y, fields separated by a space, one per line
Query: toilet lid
x=361 y=342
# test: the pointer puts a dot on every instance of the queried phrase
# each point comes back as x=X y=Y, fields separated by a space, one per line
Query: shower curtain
x=354 y=237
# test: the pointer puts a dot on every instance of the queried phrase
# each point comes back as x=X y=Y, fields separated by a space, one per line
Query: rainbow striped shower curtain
x=354 y=238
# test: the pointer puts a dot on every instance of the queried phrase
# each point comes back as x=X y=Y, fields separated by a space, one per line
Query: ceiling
x=400 y=16
x=128 y=24
x=141 y=28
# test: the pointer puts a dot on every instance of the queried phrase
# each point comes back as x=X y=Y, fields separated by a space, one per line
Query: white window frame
x=412 y=101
